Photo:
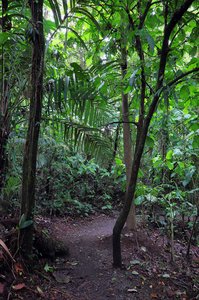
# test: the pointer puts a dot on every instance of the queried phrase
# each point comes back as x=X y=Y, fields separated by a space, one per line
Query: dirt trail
x=87 y=274
x=90 y=263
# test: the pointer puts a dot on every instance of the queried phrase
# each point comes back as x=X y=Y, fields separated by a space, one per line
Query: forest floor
x=87 y=272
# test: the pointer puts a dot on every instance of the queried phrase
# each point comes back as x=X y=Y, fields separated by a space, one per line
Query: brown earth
x=87 y=273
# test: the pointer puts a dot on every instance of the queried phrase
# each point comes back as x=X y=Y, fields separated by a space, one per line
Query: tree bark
x=127 y=141
x=116 y=143
x=117 y=259
x=30 y=153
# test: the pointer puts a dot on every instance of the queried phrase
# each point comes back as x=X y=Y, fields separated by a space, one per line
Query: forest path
x=87 y=273
x=88 y=270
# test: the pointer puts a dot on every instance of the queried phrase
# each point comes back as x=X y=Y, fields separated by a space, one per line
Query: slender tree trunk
x=4 y=115
x=117 y=259
x=127 y=142
x=117 y=133
x=30 y=154
x=164 y=141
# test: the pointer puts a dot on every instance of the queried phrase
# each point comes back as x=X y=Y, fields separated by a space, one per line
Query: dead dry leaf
x=18 y=268
x=3 y=245
x=61 y=278
x=132 y=290
x=134 y=273
x=18 y=286
x=39 y=290
x=154 y=296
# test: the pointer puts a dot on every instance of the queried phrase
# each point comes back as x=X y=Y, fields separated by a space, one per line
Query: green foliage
x=167 y=203
x=69 y=183
x=82 y=105
x=48 y=268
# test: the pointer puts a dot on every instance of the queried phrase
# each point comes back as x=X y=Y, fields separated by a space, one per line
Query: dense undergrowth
x=70 y=184
x=67 y=182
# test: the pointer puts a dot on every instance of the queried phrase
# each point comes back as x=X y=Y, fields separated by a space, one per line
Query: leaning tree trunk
x=143 y=124
x=30 y=154
x=117 y=259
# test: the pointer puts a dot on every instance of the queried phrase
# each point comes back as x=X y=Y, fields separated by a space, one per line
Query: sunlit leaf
x=169 y=155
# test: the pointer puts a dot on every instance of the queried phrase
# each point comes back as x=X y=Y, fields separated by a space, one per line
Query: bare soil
x=87 y=273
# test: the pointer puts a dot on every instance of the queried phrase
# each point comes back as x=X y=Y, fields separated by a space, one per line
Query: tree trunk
x=4 y=115
x=30 y=154
x=116 y=143
x=117 y=259
x=127 y=142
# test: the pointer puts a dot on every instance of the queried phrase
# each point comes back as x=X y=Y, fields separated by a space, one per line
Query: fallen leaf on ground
x=74 y=263
x=18 y=268
x=154 y=296
x=18 y=286
x=39 y=290
x=143 y=249
x=61 y=278
x=132 y=290
x=128 y=234
x=134 y=273
x=135 y=262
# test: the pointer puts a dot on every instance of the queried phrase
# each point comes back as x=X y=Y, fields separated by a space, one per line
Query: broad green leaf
x=184 y=92
x=139 y=200
x=151 y=42
x=181 y=164
x=140 y=174
x=170 y=165
x=169 y=155
x=116 y=19
x=23 y=223
x=118 y=162
x=26 y=224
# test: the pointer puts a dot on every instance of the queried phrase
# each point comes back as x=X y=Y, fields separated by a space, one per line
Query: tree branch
x=176 y=80
x=143 y=17
x=179 y=29
x=163 y=59
x=120 y=122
